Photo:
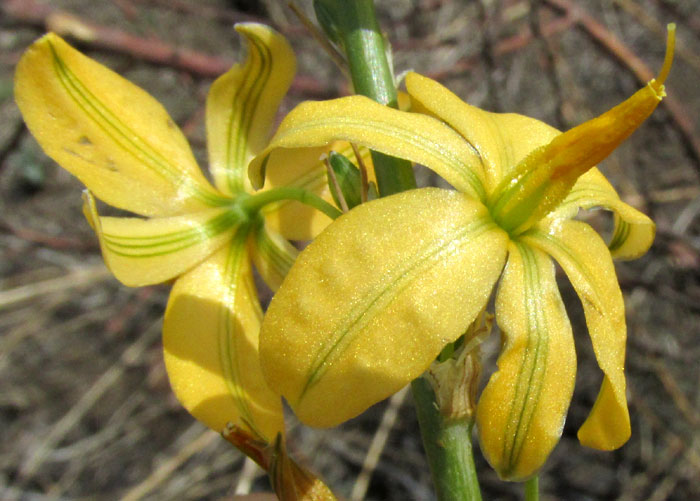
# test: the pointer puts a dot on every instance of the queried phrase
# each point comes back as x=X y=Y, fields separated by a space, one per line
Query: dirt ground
x=85 y=407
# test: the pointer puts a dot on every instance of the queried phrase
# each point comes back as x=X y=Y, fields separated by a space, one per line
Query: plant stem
x=256 y=202
x=353 y=24
x=532 y=489
x=448 y=445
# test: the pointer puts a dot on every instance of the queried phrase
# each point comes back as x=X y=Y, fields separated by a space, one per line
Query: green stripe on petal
x=273 y=256
x=107 y=132
x=148 y=251
x=521 y=412
x=633 y=233
x=242 y=105
x=587 y=262
x=210 y=339
x=357 y=119
x=375 y=297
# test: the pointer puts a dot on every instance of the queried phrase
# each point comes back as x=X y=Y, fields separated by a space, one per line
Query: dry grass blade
x=78 y=277
x=160 y=474
x=37 y=454
x=359 y=490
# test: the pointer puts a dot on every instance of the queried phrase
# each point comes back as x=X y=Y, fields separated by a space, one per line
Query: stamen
x=668 y=58
x=363 y=172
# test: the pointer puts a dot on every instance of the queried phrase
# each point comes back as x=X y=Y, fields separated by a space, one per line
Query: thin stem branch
x=256 y=202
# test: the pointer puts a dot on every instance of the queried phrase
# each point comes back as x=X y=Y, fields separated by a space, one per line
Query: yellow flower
x=128 y=152
x=374 y=299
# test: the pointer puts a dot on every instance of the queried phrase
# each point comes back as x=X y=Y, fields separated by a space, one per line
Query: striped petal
x=545 y=177
x=586 y=260
x=374 y=298
x=357 y=119
x=633 y=233
x=521 y=412
x=242 y=105
x=303 y=168
x=502 y=139
x=273 y=256
x=108 y=133
x=150 y=251
x=210 y=339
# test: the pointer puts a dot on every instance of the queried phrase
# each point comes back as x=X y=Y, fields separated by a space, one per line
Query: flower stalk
x=353 y=26
x=448 y=446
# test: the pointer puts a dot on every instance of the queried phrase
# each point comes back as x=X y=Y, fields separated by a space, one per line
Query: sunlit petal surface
x=273 y=256
x=210 y=338
x=416 y=137
x=587 y=262
x=110 y=134
x=633 y=233
x=491 y=134
x=372 y=301
x=242 y=105
x=150 y=251
x=521 y=411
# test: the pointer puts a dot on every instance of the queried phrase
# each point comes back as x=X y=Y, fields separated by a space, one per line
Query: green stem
x=448 y=445
x=532 y=489
x=254 y=203
x=353 y=24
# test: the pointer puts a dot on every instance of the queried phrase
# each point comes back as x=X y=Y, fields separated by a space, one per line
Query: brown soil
x=85 y=407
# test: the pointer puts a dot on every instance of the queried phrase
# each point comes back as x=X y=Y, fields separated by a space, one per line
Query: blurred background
x=85 y=407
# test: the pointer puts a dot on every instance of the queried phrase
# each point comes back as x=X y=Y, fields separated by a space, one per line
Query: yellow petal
x=210 y=339
x=587 y=262
x=545 y=177
x=273 y=256
x=633 y=233
x=374 y=298
x=107 y=132
x=303 y=168
x=291 y=481
x=502 y=139
x=357 y=119
x=521 y=412
x=242 y=105
x=150 y=251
